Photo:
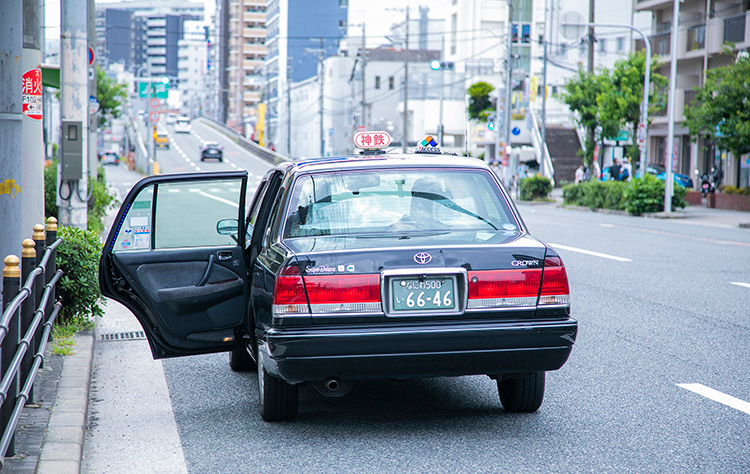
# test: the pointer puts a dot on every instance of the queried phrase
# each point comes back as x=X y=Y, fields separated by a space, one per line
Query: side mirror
x=228 y=227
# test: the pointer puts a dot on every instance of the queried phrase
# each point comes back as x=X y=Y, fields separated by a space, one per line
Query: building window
x=377 y=82
x=620 y=44
x=391 y=83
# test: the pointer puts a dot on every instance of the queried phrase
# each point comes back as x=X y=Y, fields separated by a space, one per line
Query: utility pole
x=508 y=89
x=32 y=118
x=442 y=92
x=11 y=192
x=544 y=86
x=363 y=57
x=590 y=68
x=406 y=83
x=322 y=78
x=669 y=182
x=74 y=95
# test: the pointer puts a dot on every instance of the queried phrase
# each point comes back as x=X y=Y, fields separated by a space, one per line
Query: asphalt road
x=659 y=380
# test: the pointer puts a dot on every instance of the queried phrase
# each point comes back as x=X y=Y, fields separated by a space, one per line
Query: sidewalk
x=50 y=433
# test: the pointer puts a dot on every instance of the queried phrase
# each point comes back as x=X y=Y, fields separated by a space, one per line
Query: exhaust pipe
x=334 y=387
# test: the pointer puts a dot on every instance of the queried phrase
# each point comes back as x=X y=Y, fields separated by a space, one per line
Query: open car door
x=175 y=258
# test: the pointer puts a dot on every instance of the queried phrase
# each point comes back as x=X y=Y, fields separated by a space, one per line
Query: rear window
x=386 y=201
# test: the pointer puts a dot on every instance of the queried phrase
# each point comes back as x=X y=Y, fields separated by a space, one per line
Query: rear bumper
x=298 y=355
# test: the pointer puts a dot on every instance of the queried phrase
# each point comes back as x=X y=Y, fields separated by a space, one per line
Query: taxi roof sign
x=428 y=145
x=372 y=140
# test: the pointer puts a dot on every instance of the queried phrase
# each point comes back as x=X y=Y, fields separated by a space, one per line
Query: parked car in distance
x=212 y=151
x=660 y=172
x=110 y=158
x=371 y=266
x=182 y=125
x=171 y=118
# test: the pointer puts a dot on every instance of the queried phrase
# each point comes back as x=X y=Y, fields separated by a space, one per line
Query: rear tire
x=240 y=360
x=278 y=399
x=521 y=392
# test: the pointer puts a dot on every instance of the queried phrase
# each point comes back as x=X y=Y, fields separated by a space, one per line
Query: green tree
x=480 y=103
x=581 y=95
x=111 y=96
x=721 y=110
x=619 y=104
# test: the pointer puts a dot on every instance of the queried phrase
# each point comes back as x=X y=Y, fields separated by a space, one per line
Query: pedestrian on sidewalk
x=579 y=174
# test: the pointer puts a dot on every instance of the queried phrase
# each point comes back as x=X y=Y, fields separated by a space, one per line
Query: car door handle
x=223 y=256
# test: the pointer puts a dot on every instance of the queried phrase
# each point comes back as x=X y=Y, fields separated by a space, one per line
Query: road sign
x=622 y=136
x=155 y=103
x=91 y=56
x=153 y=116
x=93 y=105
x=153 y=89
x=641 y=134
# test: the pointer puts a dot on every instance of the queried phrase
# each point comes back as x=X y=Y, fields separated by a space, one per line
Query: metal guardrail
x=249 y=145
x=24 y=331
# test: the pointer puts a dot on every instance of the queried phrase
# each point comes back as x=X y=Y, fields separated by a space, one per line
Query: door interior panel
x=191 y=291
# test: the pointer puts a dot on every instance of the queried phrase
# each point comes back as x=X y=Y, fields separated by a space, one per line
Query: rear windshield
x=386 y=201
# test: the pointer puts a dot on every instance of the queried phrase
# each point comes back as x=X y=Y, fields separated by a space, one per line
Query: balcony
x=253 y=32
x=696 y=38
x=251 y=96
x=255 y=17
x=734 y=29
x=660 y=44
x=252 y=63
x=254 y=49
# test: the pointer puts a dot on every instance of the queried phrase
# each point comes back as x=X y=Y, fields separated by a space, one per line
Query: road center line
x=591 y=252
x=717 y=396
x=217 y=198
x=739 y=283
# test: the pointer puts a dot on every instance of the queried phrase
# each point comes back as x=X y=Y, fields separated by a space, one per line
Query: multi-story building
x=192 y=68
x=246 y=52
x=704 y=27
x=300 y=33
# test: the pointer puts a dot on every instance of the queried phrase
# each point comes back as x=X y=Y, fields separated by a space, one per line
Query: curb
x=63 y=444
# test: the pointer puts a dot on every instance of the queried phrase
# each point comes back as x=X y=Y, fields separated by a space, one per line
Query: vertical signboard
x=32 y=94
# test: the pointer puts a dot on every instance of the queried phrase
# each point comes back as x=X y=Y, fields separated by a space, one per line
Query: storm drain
x=123 y=336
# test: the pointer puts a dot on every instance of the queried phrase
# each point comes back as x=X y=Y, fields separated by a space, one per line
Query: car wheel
x=278 y=399
x=240 y=360
x=221 y=160
x=521 y=392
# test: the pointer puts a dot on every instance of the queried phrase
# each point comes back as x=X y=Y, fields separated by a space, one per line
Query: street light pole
x=669 y=184
x=406 y=83
x=508 y=89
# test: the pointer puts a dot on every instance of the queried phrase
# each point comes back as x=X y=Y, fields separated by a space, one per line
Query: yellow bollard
x=156 y=168
x=11 y=270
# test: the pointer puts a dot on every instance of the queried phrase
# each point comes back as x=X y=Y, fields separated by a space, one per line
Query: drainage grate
x=123 y=336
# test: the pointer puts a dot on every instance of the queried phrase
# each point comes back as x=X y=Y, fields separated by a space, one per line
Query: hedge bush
x=637 y=196
x=535 y=188
x=78 y=258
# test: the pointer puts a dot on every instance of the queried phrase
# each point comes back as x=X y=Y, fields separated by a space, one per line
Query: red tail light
x=504 y=288
x=289 y=292
x=555 y=288
x=343 y=293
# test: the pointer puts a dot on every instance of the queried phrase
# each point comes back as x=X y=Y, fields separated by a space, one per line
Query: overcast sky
x=376 y=14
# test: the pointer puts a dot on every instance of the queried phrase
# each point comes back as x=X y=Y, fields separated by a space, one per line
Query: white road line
x=591 y=252
x=717 y=396
x=739 y=283
x=217 y=198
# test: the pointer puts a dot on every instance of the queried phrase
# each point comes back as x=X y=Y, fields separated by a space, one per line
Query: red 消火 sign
x=32 y=94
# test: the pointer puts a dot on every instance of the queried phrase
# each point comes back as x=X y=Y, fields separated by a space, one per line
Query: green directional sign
x=622 y=136
x=153 y=89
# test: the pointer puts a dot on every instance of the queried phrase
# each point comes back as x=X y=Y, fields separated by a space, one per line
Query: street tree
x=480 y=102
x=720 y=112
x=619 y=103
x=581 y=95
x=111 y=96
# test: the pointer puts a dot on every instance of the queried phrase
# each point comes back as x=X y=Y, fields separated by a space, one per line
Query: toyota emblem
x=423 y=258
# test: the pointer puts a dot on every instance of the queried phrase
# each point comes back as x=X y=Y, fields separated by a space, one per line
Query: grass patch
x=63 y=336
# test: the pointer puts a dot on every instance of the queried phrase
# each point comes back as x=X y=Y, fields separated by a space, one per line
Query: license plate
x=434 y=294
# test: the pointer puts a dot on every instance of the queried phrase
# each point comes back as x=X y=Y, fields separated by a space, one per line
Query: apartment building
x=244 y=68
x=704 y=27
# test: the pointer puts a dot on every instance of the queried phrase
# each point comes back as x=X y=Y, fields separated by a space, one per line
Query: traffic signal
x=436 y=65
x=490 y=122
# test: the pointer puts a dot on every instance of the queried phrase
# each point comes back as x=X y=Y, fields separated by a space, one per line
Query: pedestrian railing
x=27 y=319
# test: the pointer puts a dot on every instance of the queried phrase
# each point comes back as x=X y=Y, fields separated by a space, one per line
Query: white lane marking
x=717 y=396
x=739 y=283
x=217 y=198
x=591 y=252
x=606 y=225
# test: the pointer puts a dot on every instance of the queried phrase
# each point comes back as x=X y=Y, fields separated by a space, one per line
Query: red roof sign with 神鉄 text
x=372 y=140
x=32 y=94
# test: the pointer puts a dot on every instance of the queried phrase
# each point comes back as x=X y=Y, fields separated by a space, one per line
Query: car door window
x=252 y=215
x=180 y=214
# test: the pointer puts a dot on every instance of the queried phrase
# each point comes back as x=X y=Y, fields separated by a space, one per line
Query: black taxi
x=375 y=265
